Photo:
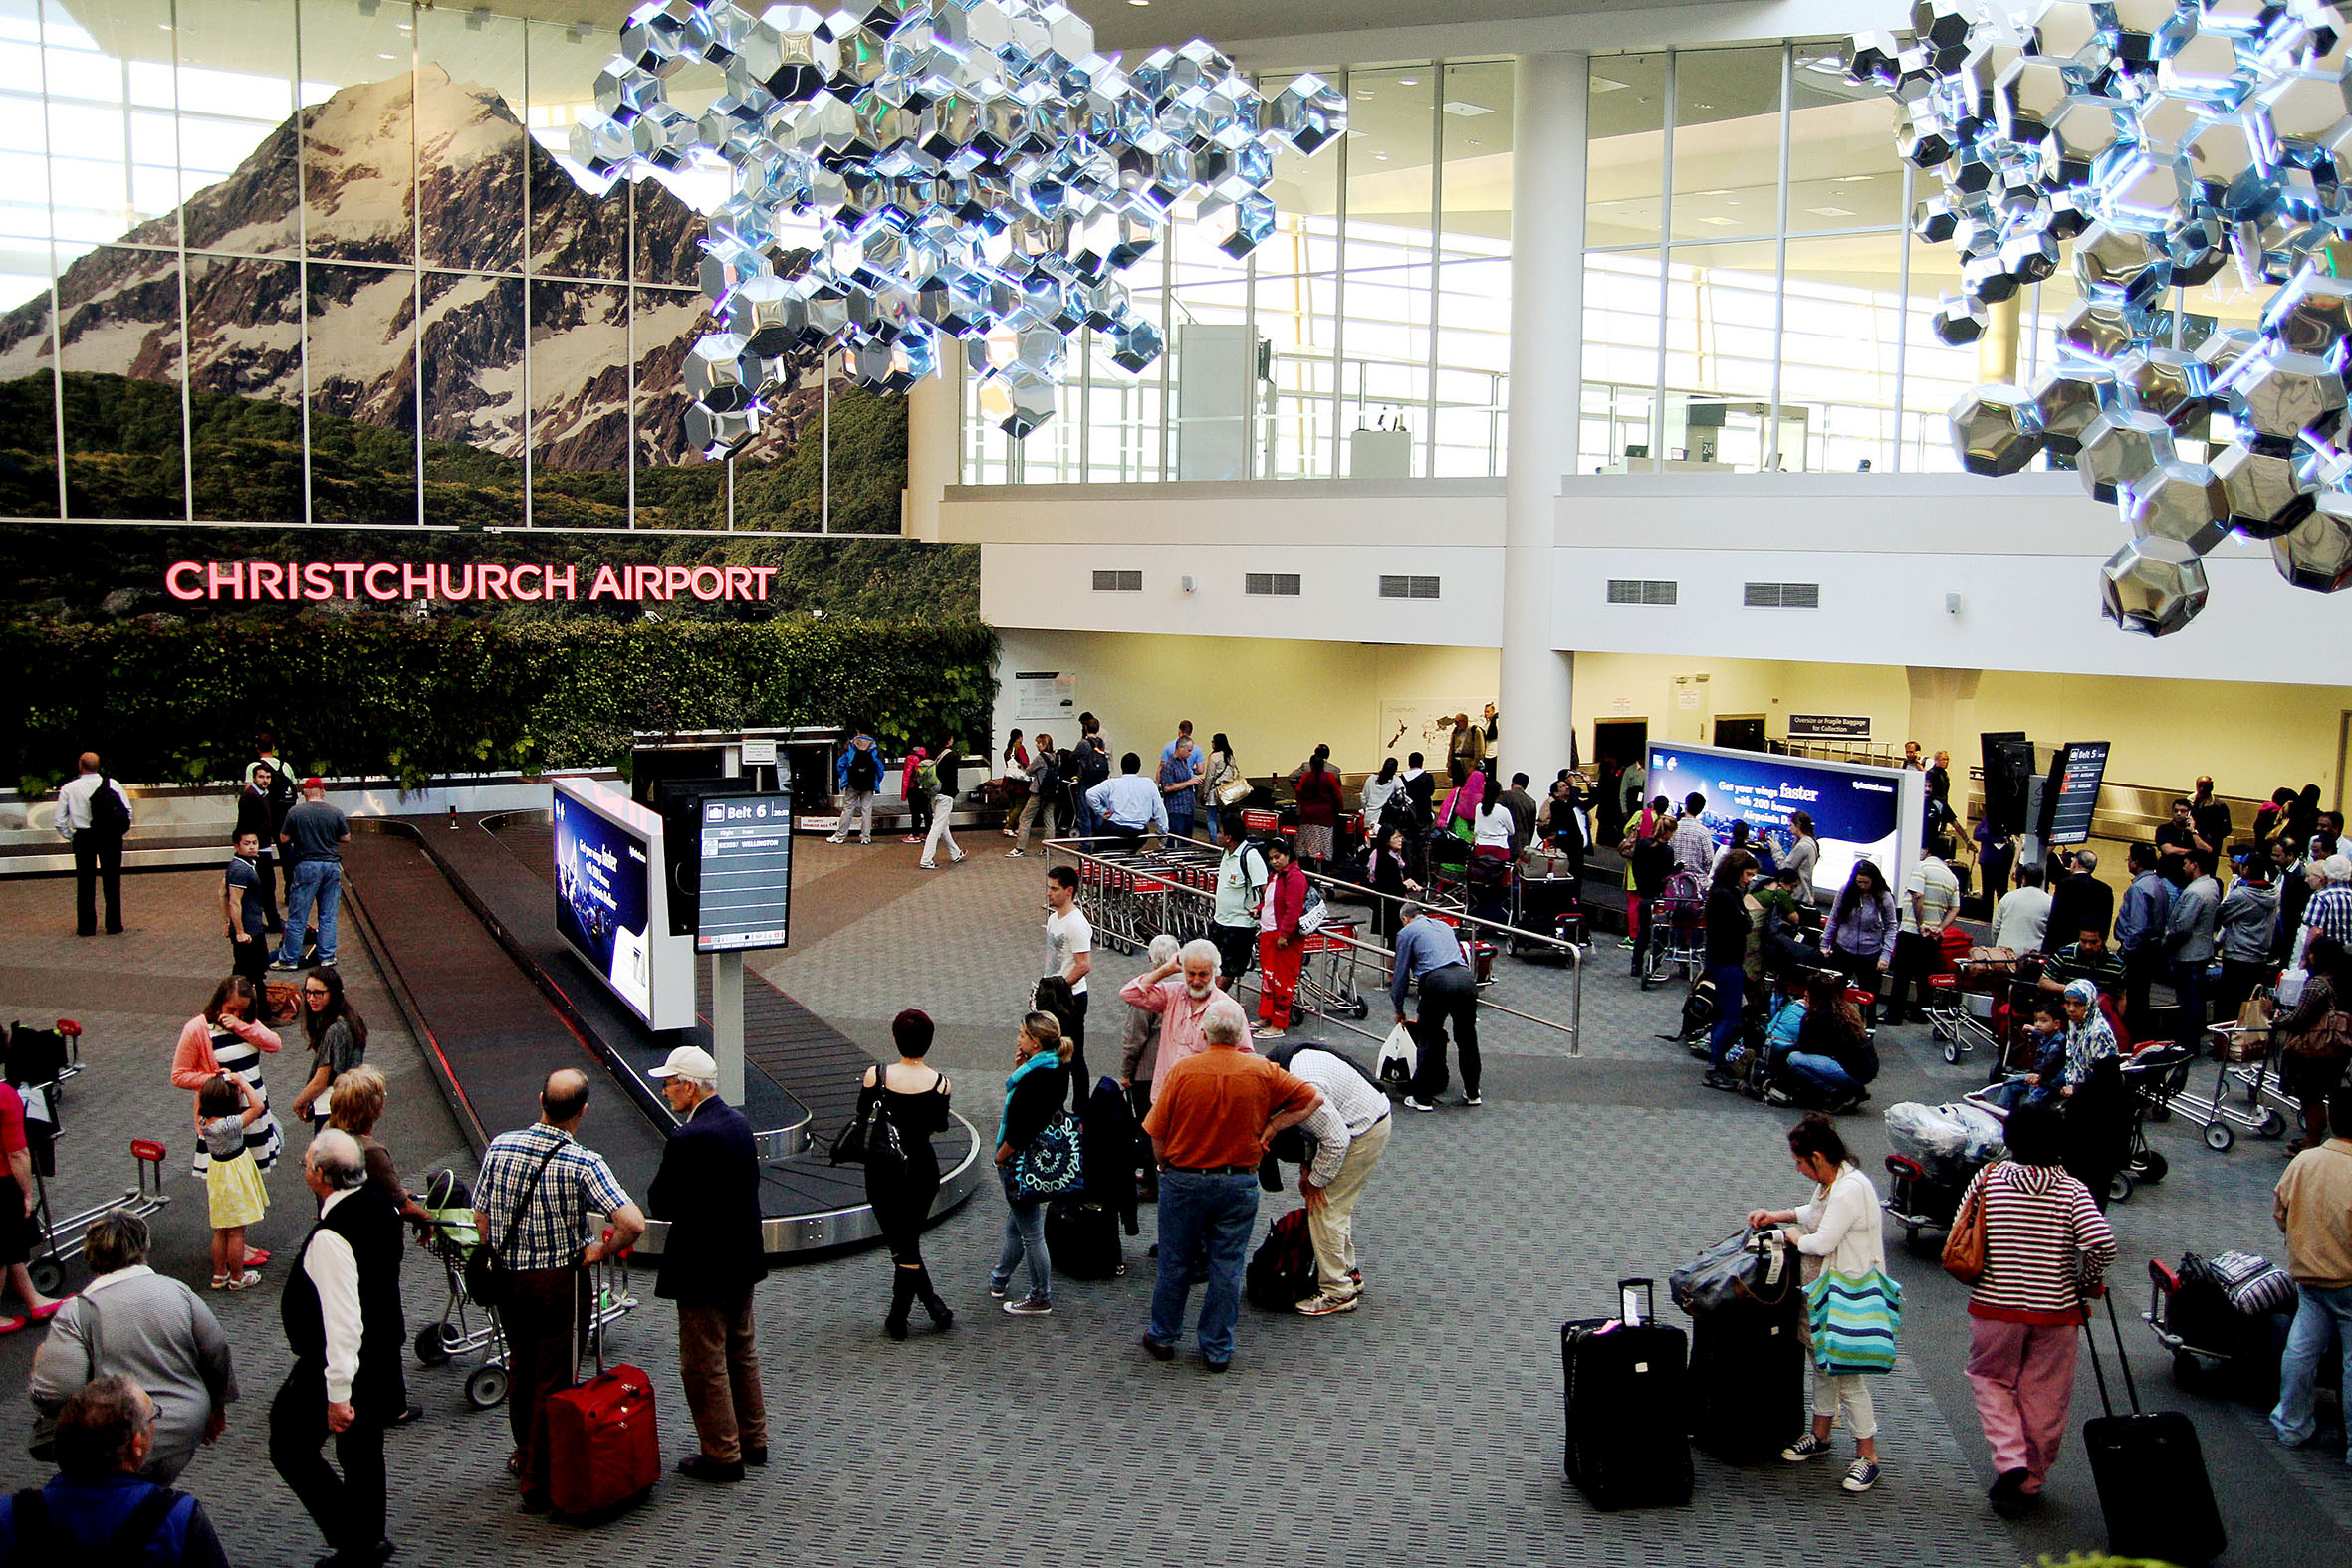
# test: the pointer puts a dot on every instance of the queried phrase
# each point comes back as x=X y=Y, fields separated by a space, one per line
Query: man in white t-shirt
x=1931 y=898
x=1069 y=953
x=2021 y=921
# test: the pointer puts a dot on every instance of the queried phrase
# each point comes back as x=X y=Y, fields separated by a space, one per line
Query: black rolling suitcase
x=2151 y=1474
x=1084 y=1240
x=1747 y=1379
x=1627 y=1444
x=1549 y=907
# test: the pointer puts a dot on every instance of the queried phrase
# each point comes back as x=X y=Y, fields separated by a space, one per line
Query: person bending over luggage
x=1786 y=1021
x=2047 y=1249
x=1839 y=1232
x=1834 y=1062
x=1431 y=952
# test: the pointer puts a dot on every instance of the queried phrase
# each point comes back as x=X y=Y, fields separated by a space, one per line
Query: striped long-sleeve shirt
x=2045 y=1244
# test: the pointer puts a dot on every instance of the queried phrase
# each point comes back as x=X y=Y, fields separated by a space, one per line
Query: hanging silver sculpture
x=2165 y=139
x=978 y=171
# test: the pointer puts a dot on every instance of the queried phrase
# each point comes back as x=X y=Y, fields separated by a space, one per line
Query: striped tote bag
x=1856 y=1321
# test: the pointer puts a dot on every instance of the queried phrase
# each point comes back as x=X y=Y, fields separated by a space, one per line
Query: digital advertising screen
x=1858 y=811
x=604 y=874
x=747 y=873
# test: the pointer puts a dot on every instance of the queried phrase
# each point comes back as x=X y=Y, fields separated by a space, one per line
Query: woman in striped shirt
x=2046 y=1246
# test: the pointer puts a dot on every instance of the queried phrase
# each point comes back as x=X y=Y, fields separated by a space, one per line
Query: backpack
x=38 y=1540
x=866 y=771
x=1093 y=761
x=109 y=814
x=927 y=777
x=1282 y=1272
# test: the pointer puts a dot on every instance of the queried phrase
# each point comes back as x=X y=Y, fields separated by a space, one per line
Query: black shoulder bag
x=485 y=1272
x=872 y=1137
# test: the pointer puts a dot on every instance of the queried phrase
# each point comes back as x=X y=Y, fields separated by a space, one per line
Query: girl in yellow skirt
x=225 y=1107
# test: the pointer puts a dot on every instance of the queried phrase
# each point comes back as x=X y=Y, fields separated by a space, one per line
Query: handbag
x=1233 y=791
x=1854 y=1321
x=43 y=1443
x=486 y=1268
x=872 y=1137
x=1964 y=1243
x=1049 y=1167
x=1750 y=1265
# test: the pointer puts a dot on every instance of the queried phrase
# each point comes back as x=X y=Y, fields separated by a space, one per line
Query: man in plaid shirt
x=2329 y=911
x=543 y=1174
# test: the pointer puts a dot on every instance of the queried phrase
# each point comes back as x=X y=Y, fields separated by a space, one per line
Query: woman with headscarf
x=2089 y=1039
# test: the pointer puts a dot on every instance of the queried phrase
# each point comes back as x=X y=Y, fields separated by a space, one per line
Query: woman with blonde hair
x=1034 y=1095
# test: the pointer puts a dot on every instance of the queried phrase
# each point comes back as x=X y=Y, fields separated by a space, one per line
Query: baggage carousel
x=463 y=918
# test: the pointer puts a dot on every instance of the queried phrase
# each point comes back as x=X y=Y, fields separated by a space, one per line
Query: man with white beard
x=1181 y=992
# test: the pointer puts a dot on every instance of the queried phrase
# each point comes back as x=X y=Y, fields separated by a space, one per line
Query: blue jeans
x=318 y=882
x=1024 y=1232
x=2320 y=1315
x=1211 y=1215
x=1822 y=1074
x=1730 y=1011
x=1179 y=823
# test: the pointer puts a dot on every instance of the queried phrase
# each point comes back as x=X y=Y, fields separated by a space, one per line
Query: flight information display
x=2079 y=771
x=747 y=873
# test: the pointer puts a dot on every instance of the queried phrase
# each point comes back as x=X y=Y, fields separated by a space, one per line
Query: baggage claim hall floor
x=1425 y=1428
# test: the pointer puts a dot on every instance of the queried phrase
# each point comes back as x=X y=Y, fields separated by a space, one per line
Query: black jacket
x=368 y=1223
x=1727 y=921
x=708 y=1190
x=1109 y=1144
x=1035 y=1100
x=2080 y=902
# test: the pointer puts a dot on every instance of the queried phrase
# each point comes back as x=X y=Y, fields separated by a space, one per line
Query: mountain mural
x=419 y=368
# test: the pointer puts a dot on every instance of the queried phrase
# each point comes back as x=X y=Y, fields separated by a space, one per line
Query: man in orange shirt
x=1212 y=1117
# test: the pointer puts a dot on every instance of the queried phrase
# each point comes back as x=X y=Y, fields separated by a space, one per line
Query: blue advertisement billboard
x=1858 y=811
x=601 y=875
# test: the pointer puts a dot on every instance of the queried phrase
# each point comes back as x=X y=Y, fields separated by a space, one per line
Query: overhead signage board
x=1829 y=726
x=747 y=873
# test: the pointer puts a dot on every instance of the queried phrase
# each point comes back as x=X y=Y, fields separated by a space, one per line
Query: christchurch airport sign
x=388 y=582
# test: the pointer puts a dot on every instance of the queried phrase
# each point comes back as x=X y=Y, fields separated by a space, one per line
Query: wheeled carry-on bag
x=1626 y=1400
x=604 y=1445
x=1747 y=1379
x=2150 y=1469
x=1082 y=1239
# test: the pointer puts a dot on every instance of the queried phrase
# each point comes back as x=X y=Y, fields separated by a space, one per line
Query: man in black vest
x=708 y=1190
x=341 y=1311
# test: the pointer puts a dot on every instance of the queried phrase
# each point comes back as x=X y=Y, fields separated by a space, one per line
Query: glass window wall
x=326 y=260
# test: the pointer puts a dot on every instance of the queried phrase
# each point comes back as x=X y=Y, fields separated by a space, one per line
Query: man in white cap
x=708 y=1191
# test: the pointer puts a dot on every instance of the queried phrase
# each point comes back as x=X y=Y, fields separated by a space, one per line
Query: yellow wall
x=2251 y=738
x=1276 y=700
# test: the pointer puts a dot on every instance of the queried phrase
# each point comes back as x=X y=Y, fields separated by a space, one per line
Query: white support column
x=933 y=415
x=1549 y=127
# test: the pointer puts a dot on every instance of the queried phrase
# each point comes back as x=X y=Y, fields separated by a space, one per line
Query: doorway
x=1616 y=743
x=1740 y=732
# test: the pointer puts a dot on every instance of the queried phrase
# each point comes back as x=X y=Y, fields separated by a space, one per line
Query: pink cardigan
x=194 y=1065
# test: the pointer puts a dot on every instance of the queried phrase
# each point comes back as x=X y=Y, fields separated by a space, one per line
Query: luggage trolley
x=1333 y=992
x=1963 y=1009
x=2244 y=1058
x=61 y=1237
x=1680 y=913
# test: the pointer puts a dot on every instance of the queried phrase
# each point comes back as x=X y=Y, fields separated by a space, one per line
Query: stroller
x=1681 y=919
x=1938 y=1149
x=465 y=1326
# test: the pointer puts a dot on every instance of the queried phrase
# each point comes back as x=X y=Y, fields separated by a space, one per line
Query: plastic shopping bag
x=1399 y=1057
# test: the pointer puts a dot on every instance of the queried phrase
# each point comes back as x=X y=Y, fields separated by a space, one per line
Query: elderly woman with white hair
x=1178 y=990
x=147 y=1327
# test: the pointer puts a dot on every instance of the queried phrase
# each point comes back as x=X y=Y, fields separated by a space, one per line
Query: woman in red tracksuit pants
x=1281 y=948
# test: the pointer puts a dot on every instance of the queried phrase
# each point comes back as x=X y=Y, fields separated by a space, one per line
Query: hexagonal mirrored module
x=2165 y=139
x=973 y=170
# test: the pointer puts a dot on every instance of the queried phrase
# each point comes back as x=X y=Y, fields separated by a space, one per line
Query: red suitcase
x=602 y=1450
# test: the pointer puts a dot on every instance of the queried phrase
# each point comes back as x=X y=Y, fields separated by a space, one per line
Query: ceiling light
x=1138 y=2
x=1711 y=193
x=1604 y=84
x=1463 y=110
x=1408 y=80
x=1720 y=223
x=1474 y=141
x=1702 y=105
x=1380 y=158
x=1830 y=212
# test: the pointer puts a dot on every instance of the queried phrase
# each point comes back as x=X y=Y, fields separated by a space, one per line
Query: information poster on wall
x=1042 y=696
x=1858 y=811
